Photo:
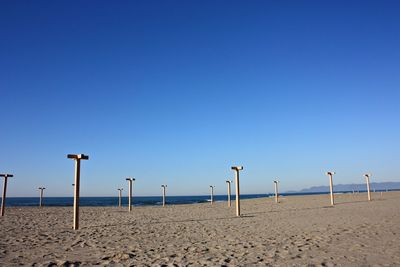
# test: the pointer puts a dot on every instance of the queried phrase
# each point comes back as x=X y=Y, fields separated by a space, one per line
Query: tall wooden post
x=130 y=181
x=237 y=169
x=330 y=174
x=3 y=200
x=276 y=192
x=41 y=196
x=212 y=194
x=367 y=176
x=229 y=192
x=77 y=159
x=119 y=196
x=164 y=186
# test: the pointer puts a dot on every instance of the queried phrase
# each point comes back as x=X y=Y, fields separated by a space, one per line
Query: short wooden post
x=237 y=169
x=367 y=176
x=3 y=200
x=77 y=159
x=212 y=194
x=163 y=186
x=330 y=174
x=229 y=192
x=41 y=196
x=276 y=192
x=130 y=180
x=119 y=196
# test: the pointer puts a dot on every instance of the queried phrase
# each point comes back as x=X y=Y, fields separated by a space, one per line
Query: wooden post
x=3 y=200
x=330 y=174
x=276 y=192
x=163 y=191
x=237 y=169
x=77 y=159
x=130 y=180
x=229 y=192
x=119 y=196
x=212 y=194
x=367 y=176
x=41 y=196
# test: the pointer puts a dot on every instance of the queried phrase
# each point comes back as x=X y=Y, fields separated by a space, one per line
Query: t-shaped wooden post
x=77 y=159
x=229 y=192
x=330 y=174
x=3 y=200
x=237 y=169
x=119 y=196
x=276 y=192
x=41 y=196
x=367 y=176
x=164 y=186
x=130 y=180
x=212 y=194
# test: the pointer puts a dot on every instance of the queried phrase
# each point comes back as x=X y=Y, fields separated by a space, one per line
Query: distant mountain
x=355 y=187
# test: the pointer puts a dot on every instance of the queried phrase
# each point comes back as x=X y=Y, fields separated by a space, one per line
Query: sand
x=301 y=230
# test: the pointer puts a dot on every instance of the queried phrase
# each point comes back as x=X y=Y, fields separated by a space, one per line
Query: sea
x=136 y=201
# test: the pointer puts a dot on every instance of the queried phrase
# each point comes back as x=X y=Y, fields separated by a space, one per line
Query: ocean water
x=136 y=201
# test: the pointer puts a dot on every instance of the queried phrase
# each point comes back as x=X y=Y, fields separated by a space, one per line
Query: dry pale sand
x=298 y=231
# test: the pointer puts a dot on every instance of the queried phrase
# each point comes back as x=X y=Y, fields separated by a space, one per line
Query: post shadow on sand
x=319 y=207
x=179 y=221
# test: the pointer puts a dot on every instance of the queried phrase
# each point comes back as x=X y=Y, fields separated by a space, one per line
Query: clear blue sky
x=178 y=91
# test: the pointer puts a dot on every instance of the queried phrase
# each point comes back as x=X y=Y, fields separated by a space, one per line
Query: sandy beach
x=301 y=230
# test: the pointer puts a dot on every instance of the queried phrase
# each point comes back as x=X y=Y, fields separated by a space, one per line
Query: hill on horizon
x=351 y=187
